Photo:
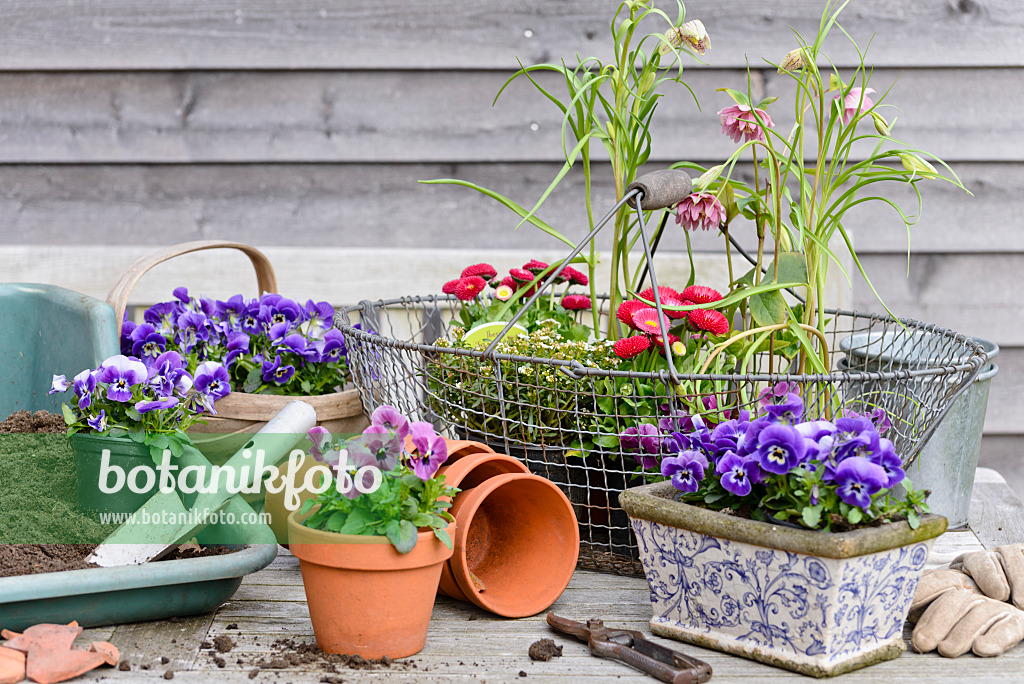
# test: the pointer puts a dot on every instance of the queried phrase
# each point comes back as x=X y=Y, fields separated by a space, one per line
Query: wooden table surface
x=466 y=644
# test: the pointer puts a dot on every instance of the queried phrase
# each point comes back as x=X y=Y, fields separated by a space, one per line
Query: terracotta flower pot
x=364 y=597
x=516 y=544
x=466 y=473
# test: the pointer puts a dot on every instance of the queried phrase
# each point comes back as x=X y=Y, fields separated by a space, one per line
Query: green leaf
x=855 y=515
x=423 y=520
x=138 y=437
x=133 y=413
x=306 y=506
x=768 y=308
x=812 y=516
x=737 y=96
x=792 y=269
x=608 y=441
x=336 y=521
x=253 y=380
x=403 y=536
x=442 y=534
x=69 y=415
x=914 y=519
x=357 y=522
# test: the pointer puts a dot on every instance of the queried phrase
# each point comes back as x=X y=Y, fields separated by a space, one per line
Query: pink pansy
x=740 y=122
x=853 y=102
x=700 y=210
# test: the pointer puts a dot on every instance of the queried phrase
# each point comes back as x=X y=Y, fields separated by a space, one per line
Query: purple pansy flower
x=298 y=345
x=390 y=418
x=147 y=343
x=789 y=411
x=59 y=384
x=162 y=316
x=332 y=346
x=237 y=344
x=121 y=373
x=780 y=448
x=432 y=451
x=168 y=376
x=99 y=421
x=686 y=470
x=320 y=439
x=156 y=404
x=319 y=317
x=126 y=337
x=385 y=446
x=85 y=383
x=676 y=421
x=857 y=479
x=737 y=474
x=212 y=380
x=280 y=310
x=191 y=328
x=230 y=313
x=181 y=294
x=891 y=463
x=277 y=373
x=250 y=320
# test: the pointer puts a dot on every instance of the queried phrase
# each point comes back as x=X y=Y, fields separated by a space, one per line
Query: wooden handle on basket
x=118 y=295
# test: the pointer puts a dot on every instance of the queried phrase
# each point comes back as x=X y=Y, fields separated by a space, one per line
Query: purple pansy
x=686 y=470
x=737 y=474
x=890 y=462
x=857 y=479
x=298 y=345
x=780 y=448
x=85 y=383
x=212 y=380
x=319 y=317
x=126 y=337
x=162 y=316
x=432 y=451
x=333 y=346
x=237 y=344
x=99 y=421
x=390 y=418
x=120 y=373
x=59 y=384
x=320 y=439
x=385 y=446
x=192 y=327
x=156 y=404
x=280 y=310
x=181 y=294
x=147 y=343
x=789 y=411
x=277 y=373
x=168 y=376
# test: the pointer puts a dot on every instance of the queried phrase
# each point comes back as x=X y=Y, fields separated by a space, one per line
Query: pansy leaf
x=442 y=534
x=69 y=415
x=403 y=536
x=812 y=516
x=336 y=521
x=253 y=380
x=137 y=437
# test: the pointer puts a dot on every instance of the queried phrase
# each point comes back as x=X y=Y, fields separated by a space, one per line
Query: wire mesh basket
x=564 y=418
x=541 y=410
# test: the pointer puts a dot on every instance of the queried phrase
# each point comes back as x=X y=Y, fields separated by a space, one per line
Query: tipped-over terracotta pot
x=364 y=597
x=457 y=448
x=516 y=544
x=465 y=473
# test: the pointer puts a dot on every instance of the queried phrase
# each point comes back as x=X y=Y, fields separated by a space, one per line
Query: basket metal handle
x=665 y=188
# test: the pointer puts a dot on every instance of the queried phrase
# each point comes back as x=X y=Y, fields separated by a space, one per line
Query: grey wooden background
x=129 y=122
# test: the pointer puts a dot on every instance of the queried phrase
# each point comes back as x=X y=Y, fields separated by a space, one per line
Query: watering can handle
x=119 y=294
x=661 y=189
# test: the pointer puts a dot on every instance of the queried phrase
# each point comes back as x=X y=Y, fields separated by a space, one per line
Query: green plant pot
x=124 y=454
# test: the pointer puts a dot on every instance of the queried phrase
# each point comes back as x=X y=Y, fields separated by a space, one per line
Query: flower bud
x=707 y=178
x=916 y=165
x=646 y=83
x=691 y=34
x=881 y=125
x=792 y=62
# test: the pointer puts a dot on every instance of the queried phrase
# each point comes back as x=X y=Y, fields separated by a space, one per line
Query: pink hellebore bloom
x=700 y=210
x=854 y=102
x=740 y=122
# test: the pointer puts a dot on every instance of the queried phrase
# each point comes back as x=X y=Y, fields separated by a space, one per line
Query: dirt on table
x=545 y=650
x=35 y=559
x=23 y=422
x=289 y=653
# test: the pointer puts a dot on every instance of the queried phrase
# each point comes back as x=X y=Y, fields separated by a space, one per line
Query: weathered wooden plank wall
x=126 y=122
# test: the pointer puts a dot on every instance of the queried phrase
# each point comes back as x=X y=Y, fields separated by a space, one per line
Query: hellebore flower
x=631 y=347
x=789 y=411
x=780 y=448
x=710 y=321
x=385 y=446
x=485 y=271
x=854 y=102
x=212 y=380
x=737 y=474
x=686 y=470
x=59 y=384
x=740 y=122
x=857 y=480
x=392 y=419
x=648 y=321
x=431 y=450
x=276 y=373
x=156 y=404
x=470 y=288
x=700 y=210
x=99 y=421
x=320 y=439
x=121 y=373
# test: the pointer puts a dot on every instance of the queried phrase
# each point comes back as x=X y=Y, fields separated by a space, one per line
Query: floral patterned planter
x=818 y=603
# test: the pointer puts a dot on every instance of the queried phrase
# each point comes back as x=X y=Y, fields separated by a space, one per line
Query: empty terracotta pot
x=364 y=597
x=516 y=544
x=466 y=473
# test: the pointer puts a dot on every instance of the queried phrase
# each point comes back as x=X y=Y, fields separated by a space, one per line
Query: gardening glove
x=935 y=583
x=999 y=573
x=959 y=621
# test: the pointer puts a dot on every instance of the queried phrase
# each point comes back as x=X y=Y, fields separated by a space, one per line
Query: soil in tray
x=34 y=559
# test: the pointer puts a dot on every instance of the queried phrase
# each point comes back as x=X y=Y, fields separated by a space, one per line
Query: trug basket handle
x=118 y=295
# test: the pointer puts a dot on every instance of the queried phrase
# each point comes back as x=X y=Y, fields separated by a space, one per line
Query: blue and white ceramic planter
x=815 y=602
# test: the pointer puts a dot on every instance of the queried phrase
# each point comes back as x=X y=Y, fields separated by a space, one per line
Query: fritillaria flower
x=121 y=373
x=431 y=450
x=741 y=122
x=691 y=34
x=700 y=210
x=855 y=102
x=392 y=419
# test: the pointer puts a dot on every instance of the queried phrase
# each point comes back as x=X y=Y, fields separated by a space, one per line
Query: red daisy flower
x=713 y=322
x=449 y=287
x=521 y=275
x=646 y=319
x=470 y=288
x=631 y=347
x=664 y=291
x=700 y=294
x=627 y=309
x=575 y=302
x=509 y=281
x=672 y=339
x=575 y=277
x=485 y=271
x=534 y=266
